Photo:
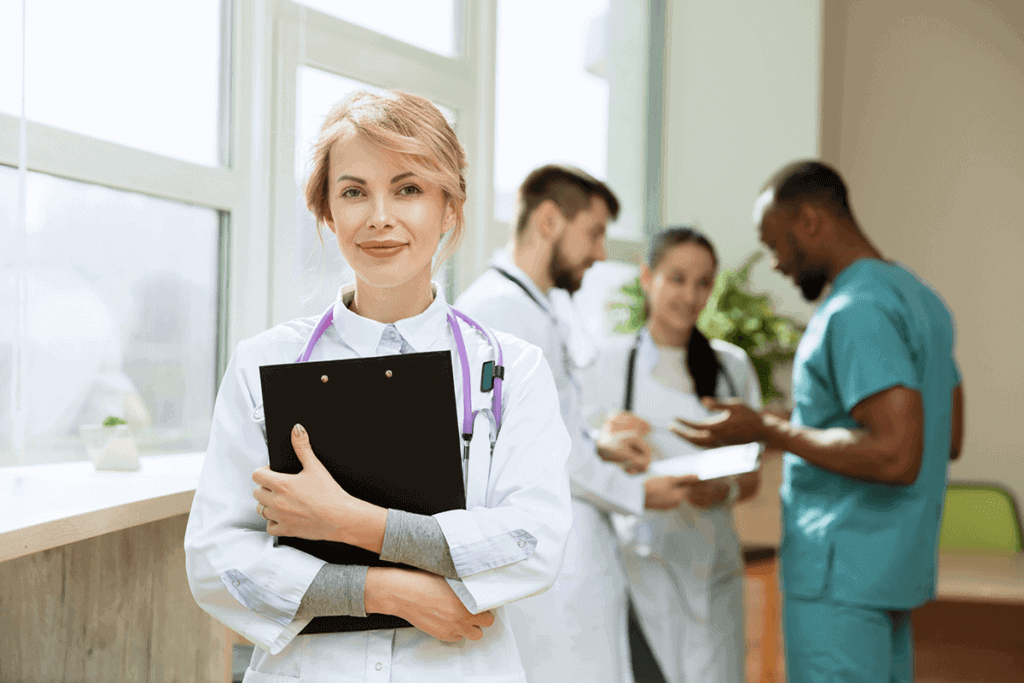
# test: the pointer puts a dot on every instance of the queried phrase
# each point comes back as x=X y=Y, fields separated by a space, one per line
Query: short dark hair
x=810 y=180
x=570 y=188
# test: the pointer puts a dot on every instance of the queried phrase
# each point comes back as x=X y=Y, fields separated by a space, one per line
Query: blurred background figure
x=684 y=566
x=878 y=414
x=577 y=630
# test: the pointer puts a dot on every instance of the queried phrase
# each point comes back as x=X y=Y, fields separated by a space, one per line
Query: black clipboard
x=386 y=428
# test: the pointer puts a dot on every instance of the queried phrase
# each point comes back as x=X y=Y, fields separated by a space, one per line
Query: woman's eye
x=351 y=192
x=410 y=189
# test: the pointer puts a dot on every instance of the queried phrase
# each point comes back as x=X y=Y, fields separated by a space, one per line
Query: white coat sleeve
x=236 y=571
x=512 y=547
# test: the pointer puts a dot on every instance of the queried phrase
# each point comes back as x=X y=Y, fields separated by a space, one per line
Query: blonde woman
x=388 y=183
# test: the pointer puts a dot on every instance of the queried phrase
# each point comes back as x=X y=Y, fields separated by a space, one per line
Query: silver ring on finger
x=260 y=510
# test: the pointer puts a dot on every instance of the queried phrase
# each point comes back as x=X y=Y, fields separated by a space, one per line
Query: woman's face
x=679 y=286
x=388 y=221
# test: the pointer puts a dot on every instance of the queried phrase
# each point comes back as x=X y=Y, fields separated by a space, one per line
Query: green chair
x=980 y=517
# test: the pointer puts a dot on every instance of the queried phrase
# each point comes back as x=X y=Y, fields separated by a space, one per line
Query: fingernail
x=299 y=429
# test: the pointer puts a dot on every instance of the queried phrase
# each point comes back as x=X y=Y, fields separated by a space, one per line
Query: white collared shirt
x=506 y=546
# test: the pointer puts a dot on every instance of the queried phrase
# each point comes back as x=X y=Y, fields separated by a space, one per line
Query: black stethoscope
x=627 y=402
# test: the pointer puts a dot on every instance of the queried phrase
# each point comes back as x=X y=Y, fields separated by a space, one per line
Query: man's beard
x=563 y=275
x=812 y=282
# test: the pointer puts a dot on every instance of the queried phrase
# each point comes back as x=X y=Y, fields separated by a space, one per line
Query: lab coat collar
x=647 y=352
x=502 y=260
x=364 y=335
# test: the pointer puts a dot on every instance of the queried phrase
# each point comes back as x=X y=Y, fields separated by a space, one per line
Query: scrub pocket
x=805 y=568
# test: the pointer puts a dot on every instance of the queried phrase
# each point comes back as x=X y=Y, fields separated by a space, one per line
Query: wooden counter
x=92 y=576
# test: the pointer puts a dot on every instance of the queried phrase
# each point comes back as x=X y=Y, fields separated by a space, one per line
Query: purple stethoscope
x=468 y=415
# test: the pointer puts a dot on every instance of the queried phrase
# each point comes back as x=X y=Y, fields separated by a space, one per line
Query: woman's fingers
x=303 y=449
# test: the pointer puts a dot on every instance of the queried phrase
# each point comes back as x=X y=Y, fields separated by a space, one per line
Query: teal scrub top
x=869 y=543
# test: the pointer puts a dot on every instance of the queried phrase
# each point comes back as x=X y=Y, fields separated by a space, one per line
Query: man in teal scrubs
x=878 y=413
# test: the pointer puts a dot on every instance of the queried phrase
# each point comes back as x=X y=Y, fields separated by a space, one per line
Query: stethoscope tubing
x=468 y=415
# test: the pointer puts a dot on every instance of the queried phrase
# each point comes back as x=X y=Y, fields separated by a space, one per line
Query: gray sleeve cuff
x=417 y=540
x=336 y=590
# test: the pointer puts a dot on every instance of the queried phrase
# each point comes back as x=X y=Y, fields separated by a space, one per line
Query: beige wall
x=741 y=99
x=923 y=113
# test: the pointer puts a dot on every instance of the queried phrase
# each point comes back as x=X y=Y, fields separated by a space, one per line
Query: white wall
x=741 y=100
x=924 y=117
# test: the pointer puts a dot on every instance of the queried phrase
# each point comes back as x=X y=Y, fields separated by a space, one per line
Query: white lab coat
x=577 y=631
x=243 y=578
x=684 y=567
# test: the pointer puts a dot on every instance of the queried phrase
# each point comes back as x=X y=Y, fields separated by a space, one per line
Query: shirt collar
x=502 y=260
x=647 y=352
x=364 y=335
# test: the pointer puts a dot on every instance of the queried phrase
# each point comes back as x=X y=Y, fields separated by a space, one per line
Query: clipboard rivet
x=323 y=378
x=387 y=373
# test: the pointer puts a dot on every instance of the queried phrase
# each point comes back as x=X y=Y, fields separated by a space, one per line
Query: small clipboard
x=386 y=428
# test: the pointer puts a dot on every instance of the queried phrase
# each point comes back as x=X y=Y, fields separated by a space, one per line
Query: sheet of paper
x=710 y=464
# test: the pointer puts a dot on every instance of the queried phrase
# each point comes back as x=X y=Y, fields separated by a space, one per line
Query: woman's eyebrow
x=398 y=177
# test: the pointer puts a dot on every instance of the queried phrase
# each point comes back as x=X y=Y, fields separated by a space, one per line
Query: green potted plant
x=739 y=316
x=110 y=445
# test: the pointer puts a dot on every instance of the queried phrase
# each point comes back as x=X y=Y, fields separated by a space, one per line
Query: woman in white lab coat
x=388 y=182
x=685 y=567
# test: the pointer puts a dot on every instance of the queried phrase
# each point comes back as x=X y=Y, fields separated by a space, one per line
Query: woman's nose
x=382 y=215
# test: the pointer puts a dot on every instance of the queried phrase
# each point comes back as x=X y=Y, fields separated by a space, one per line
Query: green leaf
x=113 y=421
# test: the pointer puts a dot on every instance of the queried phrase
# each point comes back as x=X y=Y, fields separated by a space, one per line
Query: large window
x=115 y=238
x=120 y=303
x=430 y=24
x=142 y=74
x=552 y=92
x=162 y=157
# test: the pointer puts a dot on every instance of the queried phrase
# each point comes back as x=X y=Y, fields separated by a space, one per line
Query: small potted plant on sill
x=110 y=445
x=739 y=316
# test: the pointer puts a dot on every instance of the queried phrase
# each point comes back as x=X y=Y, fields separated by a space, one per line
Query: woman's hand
x=706 y=494
x=666 y=493
x=312 y=505
x=622 y=441
x=424 y=600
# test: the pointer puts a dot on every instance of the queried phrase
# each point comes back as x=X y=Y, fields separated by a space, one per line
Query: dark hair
x=570 y=188
x=701 y=360
x=809 y=180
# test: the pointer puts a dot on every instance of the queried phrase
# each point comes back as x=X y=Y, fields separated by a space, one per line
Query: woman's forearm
x=336 y=590
x=418 y=541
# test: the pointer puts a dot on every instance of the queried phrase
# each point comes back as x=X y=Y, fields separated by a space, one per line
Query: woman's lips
x=381 y=249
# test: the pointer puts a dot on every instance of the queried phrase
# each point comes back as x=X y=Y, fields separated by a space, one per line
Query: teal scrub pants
x=833 y=642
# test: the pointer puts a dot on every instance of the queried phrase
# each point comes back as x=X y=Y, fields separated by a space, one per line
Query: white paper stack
x=714 y=463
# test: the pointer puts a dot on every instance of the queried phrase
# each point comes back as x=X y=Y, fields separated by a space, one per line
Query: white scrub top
x=577 y=631
x=685 y=566
x=507 y=545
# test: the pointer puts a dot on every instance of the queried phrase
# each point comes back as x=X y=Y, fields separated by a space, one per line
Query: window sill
x=53 y=505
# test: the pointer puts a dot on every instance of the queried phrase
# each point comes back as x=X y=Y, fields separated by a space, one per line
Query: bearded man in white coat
x=577 y=630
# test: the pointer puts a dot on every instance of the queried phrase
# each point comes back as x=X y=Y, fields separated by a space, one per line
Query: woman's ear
x=645 y=279
x=329 y=221
x=450 y=217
